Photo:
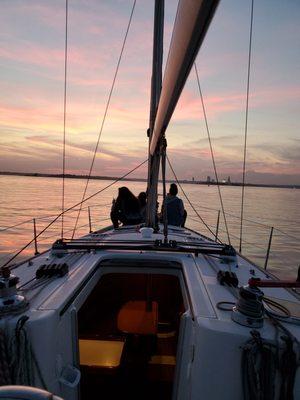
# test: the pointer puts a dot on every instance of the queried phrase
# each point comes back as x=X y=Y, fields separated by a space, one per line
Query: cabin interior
x=128 y=331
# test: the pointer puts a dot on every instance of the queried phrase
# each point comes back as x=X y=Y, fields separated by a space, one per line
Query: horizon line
x=193 y=182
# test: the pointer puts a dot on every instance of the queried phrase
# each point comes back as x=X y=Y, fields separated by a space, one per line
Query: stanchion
x=217 y=228
x=90 y=219
x=269 y=247
x=35 y=239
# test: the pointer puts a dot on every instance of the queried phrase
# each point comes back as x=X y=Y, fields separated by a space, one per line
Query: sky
x=32 y=39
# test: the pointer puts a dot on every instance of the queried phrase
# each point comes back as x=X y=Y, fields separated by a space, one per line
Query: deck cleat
x=10 y=301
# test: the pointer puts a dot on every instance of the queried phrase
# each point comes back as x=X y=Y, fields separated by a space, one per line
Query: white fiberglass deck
x=206 y=331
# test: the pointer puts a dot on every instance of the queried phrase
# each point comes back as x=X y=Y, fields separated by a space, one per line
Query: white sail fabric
x=192 y=20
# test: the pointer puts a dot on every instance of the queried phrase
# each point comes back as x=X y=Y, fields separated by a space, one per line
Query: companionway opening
x=128 y=332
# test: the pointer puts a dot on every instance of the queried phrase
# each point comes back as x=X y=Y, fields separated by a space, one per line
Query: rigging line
x=163 y=174
x=252 y=221
x=196 y=212
x=246 y=125
x=70 y=230
x=283 y=233
x=71 y=208
x=64 y=129
x=287 y=234
x=6 y=228
x=105 y=113
x=235 y=236
x=212 y=153
x=16 y=225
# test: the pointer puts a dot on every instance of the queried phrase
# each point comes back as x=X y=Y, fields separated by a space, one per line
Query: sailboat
x=154 y=311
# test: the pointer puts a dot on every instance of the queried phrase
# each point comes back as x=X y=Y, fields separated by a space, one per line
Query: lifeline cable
x=246 y=126
x=105 y=113
x=212 y=153
x=234 y=236
x=70 y=208
x=64 y=129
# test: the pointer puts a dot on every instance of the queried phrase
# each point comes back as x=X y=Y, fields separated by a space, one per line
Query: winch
x=10 y=300
x=249 y=309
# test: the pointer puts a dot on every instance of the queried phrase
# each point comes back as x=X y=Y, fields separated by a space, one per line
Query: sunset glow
x=32 y=84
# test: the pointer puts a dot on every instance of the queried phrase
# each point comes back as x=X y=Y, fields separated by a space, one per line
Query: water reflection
x=25 y=198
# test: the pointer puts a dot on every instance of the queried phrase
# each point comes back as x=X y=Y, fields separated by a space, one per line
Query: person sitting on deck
x=126 y=209
x=142 y=197
x=176 y=214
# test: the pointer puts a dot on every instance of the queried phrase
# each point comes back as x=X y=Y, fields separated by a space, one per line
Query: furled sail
x=192 y=21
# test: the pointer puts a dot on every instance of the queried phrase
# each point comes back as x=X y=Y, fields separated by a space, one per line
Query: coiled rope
x=23 y=363
x=5 y=378
x=258 y=368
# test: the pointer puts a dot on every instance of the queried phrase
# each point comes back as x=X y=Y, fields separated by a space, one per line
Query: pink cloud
x=190 y=108
x=34 y=54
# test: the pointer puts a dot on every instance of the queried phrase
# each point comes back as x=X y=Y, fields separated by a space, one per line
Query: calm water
x=25 y=198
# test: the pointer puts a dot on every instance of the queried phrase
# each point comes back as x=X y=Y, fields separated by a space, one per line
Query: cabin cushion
x=135 y=317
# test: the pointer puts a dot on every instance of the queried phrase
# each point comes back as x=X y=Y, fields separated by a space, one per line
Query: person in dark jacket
x=142 y=197
x=176 y=213
x=125 y=209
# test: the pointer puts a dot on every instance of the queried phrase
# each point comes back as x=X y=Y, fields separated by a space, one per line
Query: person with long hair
x=125 y=209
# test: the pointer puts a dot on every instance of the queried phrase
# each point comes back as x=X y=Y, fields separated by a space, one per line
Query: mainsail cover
x=192 y=21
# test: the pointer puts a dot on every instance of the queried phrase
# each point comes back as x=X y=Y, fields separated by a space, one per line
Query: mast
x=192 y=21
x=156 y=81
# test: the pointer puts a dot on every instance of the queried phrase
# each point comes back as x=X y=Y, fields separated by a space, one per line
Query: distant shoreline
x=111 y=178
